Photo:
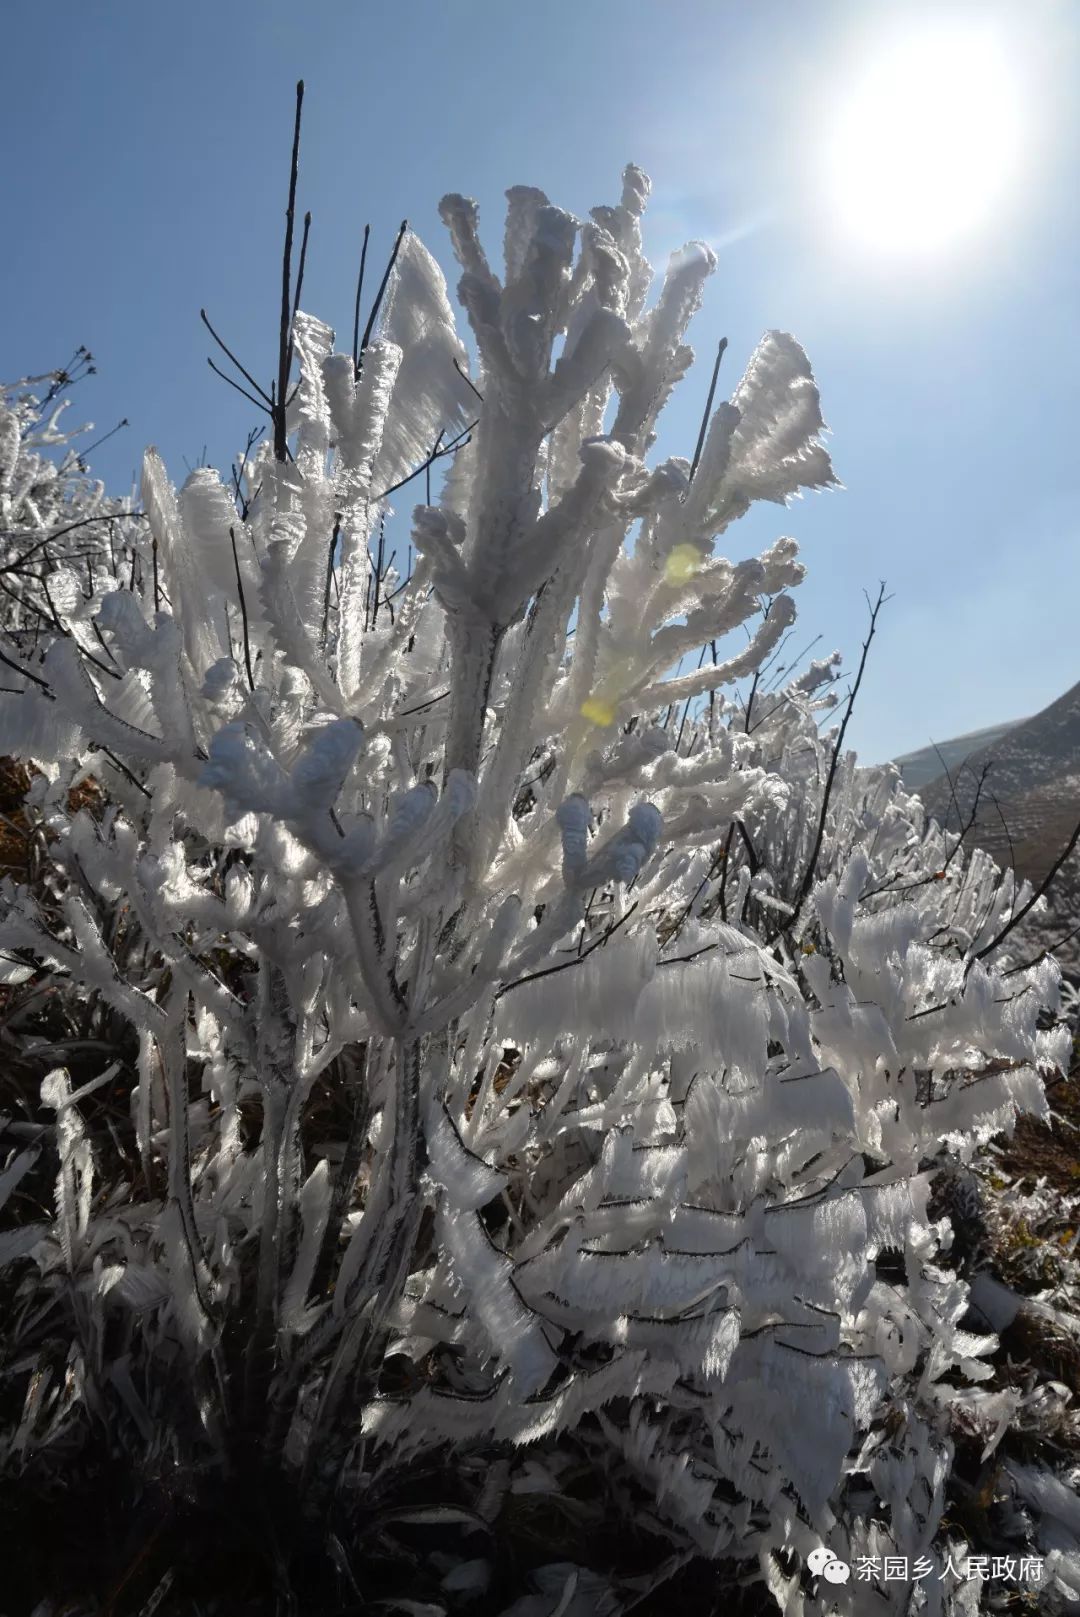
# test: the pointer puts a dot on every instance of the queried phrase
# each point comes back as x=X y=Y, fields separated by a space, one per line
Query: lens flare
x=926 y=142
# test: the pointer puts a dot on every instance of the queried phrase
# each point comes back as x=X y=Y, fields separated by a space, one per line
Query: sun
x=925 y=143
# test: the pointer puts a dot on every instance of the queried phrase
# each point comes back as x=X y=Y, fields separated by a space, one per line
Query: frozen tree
x=646 y=1014
x=63 y=540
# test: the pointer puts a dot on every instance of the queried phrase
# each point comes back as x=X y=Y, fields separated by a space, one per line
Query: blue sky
x=145 y=176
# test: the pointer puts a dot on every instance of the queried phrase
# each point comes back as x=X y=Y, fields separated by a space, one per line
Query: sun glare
x=926 y=142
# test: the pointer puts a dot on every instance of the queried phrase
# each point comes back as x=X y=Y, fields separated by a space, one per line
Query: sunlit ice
x=926 y=144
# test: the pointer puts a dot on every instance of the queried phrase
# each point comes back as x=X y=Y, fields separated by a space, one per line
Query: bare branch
x=708 y=407
x=284 y=341
x=834 y=761
x=243 y=610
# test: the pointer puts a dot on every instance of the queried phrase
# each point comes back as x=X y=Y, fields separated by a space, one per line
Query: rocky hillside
x=1028 y=806
x=919 y=768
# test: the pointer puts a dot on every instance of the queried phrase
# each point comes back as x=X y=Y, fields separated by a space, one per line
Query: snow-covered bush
x=63 y=540
x=643 y=1016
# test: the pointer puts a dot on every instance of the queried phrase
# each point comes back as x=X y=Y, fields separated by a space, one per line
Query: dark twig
x=777 y=653
x=448 y=449
x=1050 y=949
x=1009 y=842
x=296 y=295
x=238 y=474
x=575 y=960
x=116 y=516
x=1040 y=892
x=383 y=284
x=714 y=869
x=952 y=784
x=243 y=610
x=100 y=638
x=20 y=668
x=467 y=379
x=32 y=606
x=241 y=390
x=356 y=310
x=427 y=468
x=834 y=762
x=378 y=570
x=53 y=618
x=728 y=840
x=284 y=340
x=708 y=406
x=753 y=687
x=712 y=694
x=124 y=770
x=334 y=537
x=936 y=875
x=350 y=1069
x=230 y=355
x=754 y=861
x=51 y=603
x=686 y=706
x=790 y=667
x=423 y=705
x=103 y=440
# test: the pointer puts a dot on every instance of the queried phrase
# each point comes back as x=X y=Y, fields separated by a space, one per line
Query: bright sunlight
x=926 y=141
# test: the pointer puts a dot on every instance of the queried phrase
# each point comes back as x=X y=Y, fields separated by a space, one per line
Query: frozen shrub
x=644 y=1016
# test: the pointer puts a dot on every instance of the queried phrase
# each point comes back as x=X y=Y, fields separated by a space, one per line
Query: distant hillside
x=1029 y=805
x=1034 y=772
x=918 y=769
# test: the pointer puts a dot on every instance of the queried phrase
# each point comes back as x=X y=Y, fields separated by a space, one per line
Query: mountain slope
x=918 y=769
x=1028 y=805
x=1034 y=769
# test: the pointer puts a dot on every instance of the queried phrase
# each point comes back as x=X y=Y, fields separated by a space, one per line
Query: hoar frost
x=632 y=1119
